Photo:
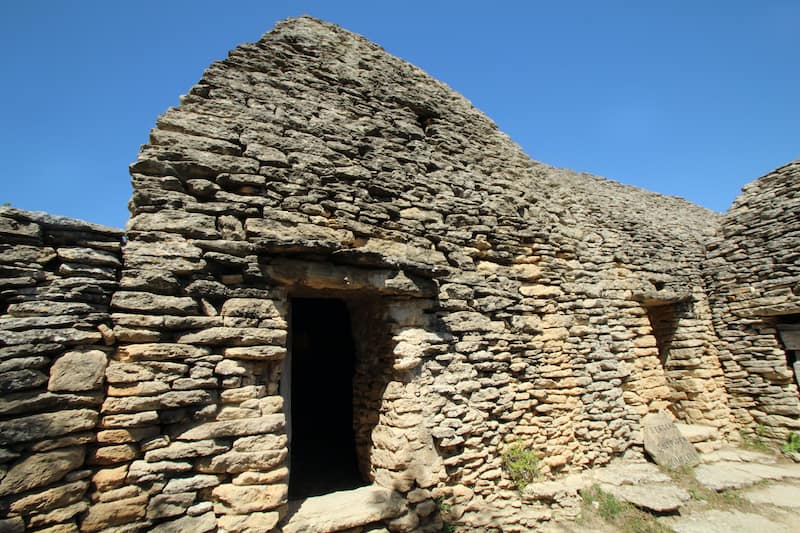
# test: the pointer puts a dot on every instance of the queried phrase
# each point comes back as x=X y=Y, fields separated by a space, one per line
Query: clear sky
x=688 y=98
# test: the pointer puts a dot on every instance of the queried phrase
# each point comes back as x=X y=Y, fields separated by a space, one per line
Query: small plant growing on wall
x=521 y=464
x=792 y=444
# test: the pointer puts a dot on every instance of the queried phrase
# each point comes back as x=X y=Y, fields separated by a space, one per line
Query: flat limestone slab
x=737 y=454
x=715 y=521
x=343 y=510
x=781 y=494
x=630 y=473
x=660 y=498
x=726 y=475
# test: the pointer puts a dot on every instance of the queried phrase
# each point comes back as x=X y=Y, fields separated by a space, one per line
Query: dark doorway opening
x=323 y=449
x=789 y=332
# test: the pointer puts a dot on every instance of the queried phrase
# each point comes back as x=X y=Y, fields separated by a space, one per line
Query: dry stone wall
x=753 y=273
x=56 y=280
x=494 y=301
x=515 y=294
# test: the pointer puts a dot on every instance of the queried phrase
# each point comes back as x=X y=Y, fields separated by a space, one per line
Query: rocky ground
x=732 y=489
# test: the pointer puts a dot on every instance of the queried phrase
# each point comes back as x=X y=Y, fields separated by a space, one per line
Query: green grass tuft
x=792 y=444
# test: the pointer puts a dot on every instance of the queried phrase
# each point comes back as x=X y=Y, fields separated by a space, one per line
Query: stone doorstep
x=343 y=510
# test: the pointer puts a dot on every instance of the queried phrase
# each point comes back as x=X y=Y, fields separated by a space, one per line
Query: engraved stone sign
x=665 y=444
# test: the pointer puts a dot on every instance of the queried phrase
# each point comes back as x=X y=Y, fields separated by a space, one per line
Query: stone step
x=343 y=510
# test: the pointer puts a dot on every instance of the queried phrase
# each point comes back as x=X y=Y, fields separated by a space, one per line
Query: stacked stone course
x=494 y=300
x=58 y=275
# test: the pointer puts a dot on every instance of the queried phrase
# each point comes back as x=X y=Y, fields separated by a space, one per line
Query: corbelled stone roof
x=322 y=113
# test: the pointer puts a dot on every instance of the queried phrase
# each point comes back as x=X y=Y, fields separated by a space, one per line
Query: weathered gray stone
x=169 y=505
x=234 y=428
x=12 y=525
x=40 y=469
x=665 y=444
x=160 y=351
x=250 y=308
x=18 y=380
x=88 y=256
x=185 y=450
x=147 y=302
x=235 y=336
x=235 y=462
x=78 y=371
x=29 y=401
x=180 y=222
x=191 y=484
x=188 y=524
x=19 y=229
x=44 y=425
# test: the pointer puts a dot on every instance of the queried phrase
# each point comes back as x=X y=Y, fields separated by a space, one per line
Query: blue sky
x=689 y=98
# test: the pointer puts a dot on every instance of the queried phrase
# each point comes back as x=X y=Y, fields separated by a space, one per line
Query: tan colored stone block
x=121 y=436
x=57 y=515
x=110 y=478
x=109 y=455
x=234 y=428
x=43 y=501
x=279 y=475
x=243 y=499
x=236 y=462
x=105 y=515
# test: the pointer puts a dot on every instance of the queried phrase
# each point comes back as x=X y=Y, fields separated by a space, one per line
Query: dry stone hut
x=752 y=269
x=343 y=293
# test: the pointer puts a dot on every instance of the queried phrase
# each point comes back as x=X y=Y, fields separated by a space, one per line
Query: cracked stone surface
x=726 y=475
x=780 y=494
x=716 y=521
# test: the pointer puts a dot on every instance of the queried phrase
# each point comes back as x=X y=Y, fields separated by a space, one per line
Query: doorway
x=323 y=357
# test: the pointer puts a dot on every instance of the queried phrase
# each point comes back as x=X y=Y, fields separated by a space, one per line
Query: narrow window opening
x=664 y=323
x=323 y=357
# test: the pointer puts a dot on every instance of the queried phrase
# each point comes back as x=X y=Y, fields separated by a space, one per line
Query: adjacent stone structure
x=753 y=270
x=338 y=273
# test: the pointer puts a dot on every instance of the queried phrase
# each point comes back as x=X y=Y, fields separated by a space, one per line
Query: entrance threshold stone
x=343 y=510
